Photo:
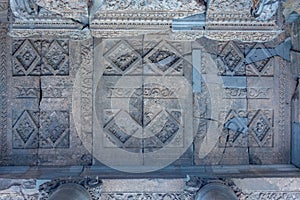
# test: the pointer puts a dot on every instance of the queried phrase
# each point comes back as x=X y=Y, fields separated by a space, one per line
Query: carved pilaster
x=4 y=58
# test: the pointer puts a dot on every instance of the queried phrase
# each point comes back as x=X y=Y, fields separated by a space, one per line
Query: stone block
x=295 y=144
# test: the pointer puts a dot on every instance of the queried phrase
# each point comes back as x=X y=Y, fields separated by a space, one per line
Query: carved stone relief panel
x=23 y=135
x=40 y=123
x=40 y=57
x=142 y=102
x=244 y=103
x=25 y=130
x=59 y=142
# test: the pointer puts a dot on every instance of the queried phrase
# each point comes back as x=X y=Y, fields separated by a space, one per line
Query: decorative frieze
x=270 y=195
x=108 y=19
x=249 y=92
x=40 y=57
x=156 y=196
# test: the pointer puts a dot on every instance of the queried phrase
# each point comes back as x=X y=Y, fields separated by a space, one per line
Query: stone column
x=70 y=191
x=216 y=191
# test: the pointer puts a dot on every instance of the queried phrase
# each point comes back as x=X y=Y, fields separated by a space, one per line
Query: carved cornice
x=133 y=18
x=58 y=33
x=225 y=20
x=245 y=36
x=31 y=20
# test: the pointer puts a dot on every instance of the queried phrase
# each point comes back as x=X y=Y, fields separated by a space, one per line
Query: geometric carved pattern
x=122 y=56
x=229 y=137
x=260 y=128
x=232 y=59
x=25 y=130
x=257 y=129
x=27 y=92
x=161 y=59
x=26 y=60
x=249 y=93
x=54 y=129
x=40 y=57
x=148 y=195
x=3 y=90
x=263 y=67
x=165 y=59
x=154 y=115
x=45 y=129
x=55 y=61
x=145 y=117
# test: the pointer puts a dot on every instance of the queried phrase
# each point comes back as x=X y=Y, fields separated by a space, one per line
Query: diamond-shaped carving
x=55 y=56
x=26 y=59
x=122 y=56
x=121 y=129
x=56 y=60
x=25 y=128
x=54 y=131
x=233 y=60
x=261 y=128
x=261 y=64
x=164 y=57
x=139 y=114
x=234 y=129
x=168 y=130
x=261 y=67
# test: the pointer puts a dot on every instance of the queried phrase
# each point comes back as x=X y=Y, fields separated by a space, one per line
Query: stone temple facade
x=149 y=99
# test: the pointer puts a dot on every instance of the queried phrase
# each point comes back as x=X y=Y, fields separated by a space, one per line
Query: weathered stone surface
x=291 y=6
x=264 y=9
x=161 y=189
x=79 y=19
x=154 y=100
x=142 y=110
x=74 y=9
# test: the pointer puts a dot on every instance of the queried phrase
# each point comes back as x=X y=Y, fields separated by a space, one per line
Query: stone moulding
x=31 y=20
x=245 y=36
x=132 y=18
